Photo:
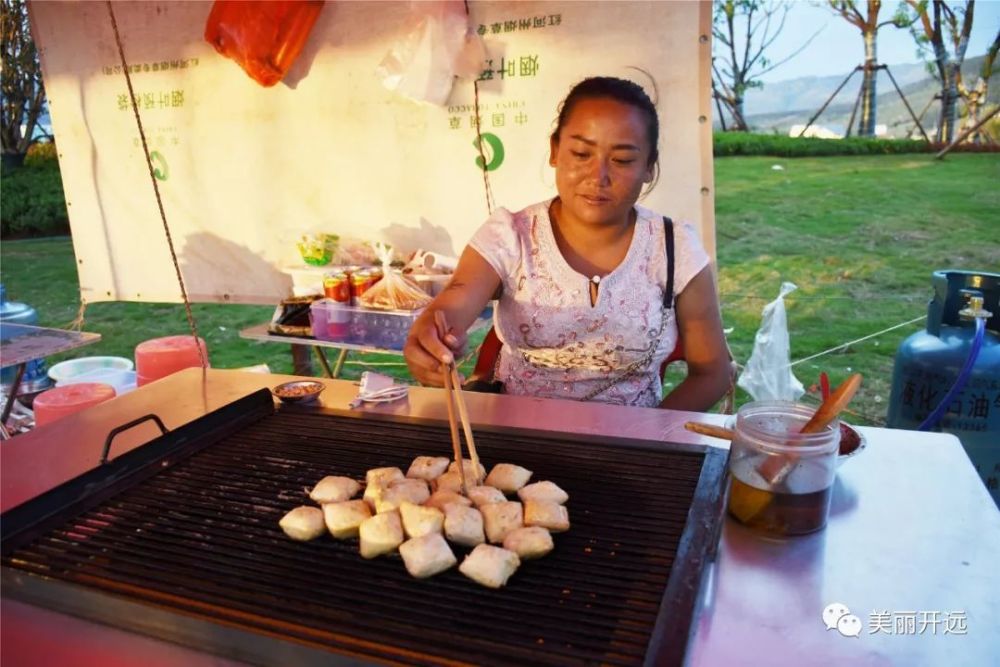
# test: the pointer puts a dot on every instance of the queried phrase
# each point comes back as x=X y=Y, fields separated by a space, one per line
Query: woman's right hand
x=431 y=344
x=425 y=350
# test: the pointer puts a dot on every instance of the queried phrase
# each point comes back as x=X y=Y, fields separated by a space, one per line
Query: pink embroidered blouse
x=555 y=343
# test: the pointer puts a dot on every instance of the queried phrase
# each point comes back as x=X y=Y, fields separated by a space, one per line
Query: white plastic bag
x=438 y=47
x=394 y=291
x=768 y=376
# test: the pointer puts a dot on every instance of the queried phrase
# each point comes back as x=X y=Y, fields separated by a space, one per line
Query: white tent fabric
x=245 y=170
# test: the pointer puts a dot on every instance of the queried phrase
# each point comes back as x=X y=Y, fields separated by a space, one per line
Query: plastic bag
x=317 y=249
x=426 y=263
x=264 y=37
x=438 y=47
x=768 y=376
x=354 y=252
x=395 y=291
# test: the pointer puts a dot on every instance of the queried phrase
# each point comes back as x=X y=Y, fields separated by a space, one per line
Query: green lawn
x=858 y=235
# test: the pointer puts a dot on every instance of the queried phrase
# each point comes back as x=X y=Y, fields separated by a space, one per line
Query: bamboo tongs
x=453 y=398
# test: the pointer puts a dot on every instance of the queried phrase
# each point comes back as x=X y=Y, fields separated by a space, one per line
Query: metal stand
x=8 y=406
x=861 y=68
x=972 y=130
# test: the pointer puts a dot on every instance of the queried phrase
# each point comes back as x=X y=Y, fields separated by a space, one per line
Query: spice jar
x=781 y=480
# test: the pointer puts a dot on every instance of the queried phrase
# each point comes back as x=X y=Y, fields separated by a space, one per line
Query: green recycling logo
x=160 y=168
x=491 y=147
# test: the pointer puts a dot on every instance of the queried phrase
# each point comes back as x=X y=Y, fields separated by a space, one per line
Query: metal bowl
x=298 y=391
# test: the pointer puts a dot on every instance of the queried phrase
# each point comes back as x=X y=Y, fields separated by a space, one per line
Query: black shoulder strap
x=668 y=233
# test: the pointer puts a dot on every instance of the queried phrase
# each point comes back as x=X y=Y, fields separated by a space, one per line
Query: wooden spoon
x=834 y=405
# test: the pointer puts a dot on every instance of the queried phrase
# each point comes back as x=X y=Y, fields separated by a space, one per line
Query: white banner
x=245 y=170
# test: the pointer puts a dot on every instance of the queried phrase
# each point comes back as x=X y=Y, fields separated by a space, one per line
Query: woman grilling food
x=594 y=291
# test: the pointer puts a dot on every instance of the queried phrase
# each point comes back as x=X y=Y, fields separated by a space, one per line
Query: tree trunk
x=949 y=106
x=739 y=119
x=866 y=123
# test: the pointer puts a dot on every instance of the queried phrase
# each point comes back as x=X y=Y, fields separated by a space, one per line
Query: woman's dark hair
x=620 y=90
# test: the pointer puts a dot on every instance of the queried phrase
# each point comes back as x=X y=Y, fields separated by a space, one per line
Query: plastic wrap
x=437 y=47
x=768 y=376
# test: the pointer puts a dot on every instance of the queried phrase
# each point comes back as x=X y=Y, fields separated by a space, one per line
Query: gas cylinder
x=36 y=374
x=929 y=362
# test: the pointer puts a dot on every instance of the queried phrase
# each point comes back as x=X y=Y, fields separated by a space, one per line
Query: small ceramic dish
x=851 y=443
x=299 y=391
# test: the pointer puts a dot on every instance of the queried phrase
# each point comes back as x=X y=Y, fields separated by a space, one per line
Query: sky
x=838 y=48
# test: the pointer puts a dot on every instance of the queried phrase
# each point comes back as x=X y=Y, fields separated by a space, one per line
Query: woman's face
x=602 y=161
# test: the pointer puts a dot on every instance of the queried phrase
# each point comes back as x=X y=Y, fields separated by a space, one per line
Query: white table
x=912 y=530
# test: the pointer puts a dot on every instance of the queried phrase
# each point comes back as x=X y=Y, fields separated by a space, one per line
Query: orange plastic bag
x=264 y=37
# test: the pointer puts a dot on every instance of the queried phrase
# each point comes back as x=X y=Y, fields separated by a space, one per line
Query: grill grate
x=202 y=538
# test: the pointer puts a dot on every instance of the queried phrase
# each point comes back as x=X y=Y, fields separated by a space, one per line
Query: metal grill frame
x=23 y=524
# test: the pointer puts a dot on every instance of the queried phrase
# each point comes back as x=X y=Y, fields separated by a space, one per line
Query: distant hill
x=779 y=105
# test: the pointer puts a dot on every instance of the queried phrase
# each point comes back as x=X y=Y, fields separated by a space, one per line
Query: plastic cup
x=781 y=480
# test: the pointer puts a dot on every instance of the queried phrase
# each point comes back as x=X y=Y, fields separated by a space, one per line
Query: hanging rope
x=482 y=154
x=77 y=324
x=156 y=188
x=479 y=136
x=858 y=340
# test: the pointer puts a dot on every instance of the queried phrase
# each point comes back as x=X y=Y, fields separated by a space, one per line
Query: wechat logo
x=838 y=617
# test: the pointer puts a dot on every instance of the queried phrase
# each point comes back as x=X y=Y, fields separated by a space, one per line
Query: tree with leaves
x=976 y=96
x=869 y=26
x=938 y=25
x=23 y=92
x=742 y=31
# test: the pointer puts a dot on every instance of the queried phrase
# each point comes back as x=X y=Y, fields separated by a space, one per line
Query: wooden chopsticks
x=454 y=397
x=711 y=430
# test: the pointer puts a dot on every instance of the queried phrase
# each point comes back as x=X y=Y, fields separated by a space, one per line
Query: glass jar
x=781 y=480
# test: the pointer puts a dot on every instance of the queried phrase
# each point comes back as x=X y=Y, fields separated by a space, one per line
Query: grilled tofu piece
x=490 y=566
x=528 y=542
x=427 y=467
x=546 y=514
x=426 y=556
x=508 y=477
x=419 y=521
x=303 y=523
x=334 y=489
x=444 y=497
x=380 y=534
x=545 y=491
x=463 y=525
x=383 y=475
x=501 y=518
x=411 y=490
x=344 y=519
x=486 y=495
x=377 y=480
x=474 y=475
x=450 y=481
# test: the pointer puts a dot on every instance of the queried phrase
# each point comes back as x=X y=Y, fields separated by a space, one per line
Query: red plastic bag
x=265 y=37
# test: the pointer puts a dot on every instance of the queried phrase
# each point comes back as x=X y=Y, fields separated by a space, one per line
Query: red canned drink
x=361 y=281
x=337 y=286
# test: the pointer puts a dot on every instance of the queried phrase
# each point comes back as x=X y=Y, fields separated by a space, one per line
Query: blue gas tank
x=929 y=362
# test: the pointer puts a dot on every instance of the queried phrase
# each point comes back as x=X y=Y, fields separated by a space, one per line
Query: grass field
x=859 y=236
